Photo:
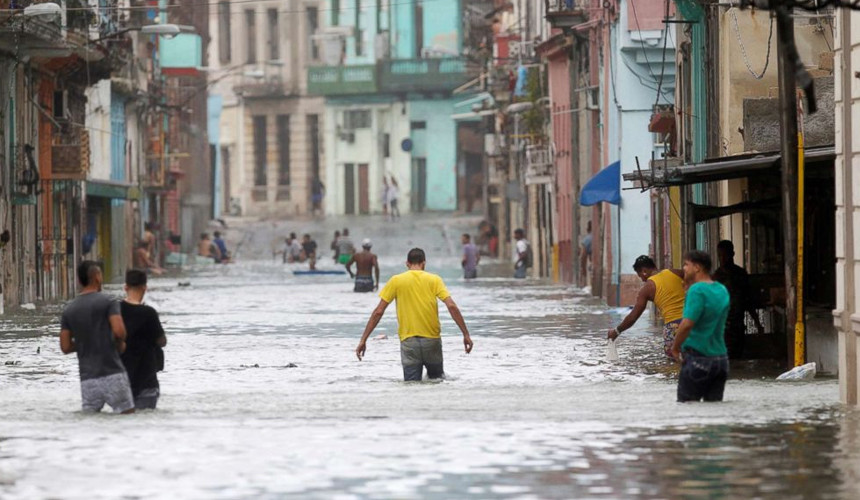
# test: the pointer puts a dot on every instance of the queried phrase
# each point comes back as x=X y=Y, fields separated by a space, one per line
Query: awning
x=719 y=169
x=113 y=190
x=604 y=186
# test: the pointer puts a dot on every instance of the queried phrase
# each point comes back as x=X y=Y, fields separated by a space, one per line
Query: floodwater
x=263 y=398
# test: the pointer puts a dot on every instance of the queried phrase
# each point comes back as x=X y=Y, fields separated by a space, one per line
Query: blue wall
x=441 y=150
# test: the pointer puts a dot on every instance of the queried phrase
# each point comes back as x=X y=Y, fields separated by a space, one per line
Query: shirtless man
x=208 y=249
x=666 y=289
x=143 y=261
x=365 y=263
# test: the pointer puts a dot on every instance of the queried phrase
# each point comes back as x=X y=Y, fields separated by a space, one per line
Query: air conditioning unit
x=522 y=50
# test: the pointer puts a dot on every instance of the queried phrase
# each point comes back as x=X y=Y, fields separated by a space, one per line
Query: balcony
x=342 y=80
x=26 y=35
x=265 y=82
x=423 y=75
x=568 y=13
x=539 y=165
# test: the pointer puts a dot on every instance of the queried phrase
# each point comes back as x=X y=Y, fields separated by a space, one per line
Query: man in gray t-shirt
x=92 y=327
x=471 y=257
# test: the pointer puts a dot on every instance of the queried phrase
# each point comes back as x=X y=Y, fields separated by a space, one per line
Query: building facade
x=389 y=72
x=269 y=150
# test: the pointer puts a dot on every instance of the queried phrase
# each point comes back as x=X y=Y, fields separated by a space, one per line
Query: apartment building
x=267 y=147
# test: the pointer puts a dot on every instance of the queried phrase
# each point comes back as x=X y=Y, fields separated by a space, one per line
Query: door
x=349 y=188
x=363 y=190
x=419 y=184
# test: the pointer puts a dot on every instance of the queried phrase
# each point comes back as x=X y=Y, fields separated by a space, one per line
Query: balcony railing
x=342 y=80
x=391 y=76
x=423 y=75
x=568 y=13
x=266 y=82
x=539 y=165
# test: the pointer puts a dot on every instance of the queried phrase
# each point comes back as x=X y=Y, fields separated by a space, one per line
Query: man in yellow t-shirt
x=416 y=293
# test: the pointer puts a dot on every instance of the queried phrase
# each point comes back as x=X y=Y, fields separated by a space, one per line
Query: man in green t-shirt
x=700 y=337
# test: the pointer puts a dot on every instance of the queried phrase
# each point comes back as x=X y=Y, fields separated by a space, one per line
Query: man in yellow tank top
x=666 y=290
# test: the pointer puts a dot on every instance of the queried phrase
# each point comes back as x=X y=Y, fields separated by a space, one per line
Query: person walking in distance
x=700 y=343
x=309 y=251
x=345 y=247
x=585 y=255
x=471 y=258
x=386 y=193
x=334 y=247
x=522 y=254
x=666 y=289
x=143 y=358
x=417 y=292
x=393 y=199
x=92 y=327
x=366 y=263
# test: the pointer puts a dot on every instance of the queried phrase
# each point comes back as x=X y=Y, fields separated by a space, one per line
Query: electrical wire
x=662 y=57
x=645 y=52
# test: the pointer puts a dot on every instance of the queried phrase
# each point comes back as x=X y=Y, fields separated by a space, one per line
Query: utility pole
x=789 y=155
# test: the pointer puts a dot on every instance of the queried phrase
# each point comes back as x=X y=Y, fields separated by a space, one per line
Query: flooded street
x=262 y=397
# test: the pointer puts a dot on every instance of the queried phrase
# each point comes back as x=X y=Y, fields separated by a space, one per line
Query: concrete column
x=847 y=95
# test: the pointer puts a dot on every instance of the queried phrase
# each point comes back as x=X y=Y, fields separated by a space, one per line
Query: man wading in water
x=666 y=289
x=366 y=263
x=416 y=293
x=92 y=326
x=704 y=362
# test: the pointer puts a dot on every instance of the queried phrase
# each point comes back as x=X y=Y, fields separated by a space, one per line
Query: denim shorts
x=702 y=377
x=416 y=353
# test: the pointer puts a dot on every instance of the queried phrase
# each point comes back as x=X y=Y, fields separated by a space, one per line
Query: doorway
x=349 y=188
x=419 y=184
x=363 y=189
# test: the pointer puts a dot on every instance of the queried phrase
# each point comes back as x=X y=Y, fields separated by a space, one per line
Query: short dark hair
x=204 y=236
x=467 y=236
x=135 y=278
x=142 y=244
x=519 y=231
x=726 y=246
x=217 y=234
x=644 y=262
x=699 y=257
x=416 y=256
x=345 y=232
x=86 y=270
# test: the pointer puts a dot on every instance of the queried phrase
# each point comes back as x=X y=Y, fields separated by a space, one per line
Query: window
x=224 y=34
x=417 y=125
x=386 y=145
x=251 y=39
x=313 y=25
x=274 y=42
x=260 y=152
x=356 y=118
x=314 y=134
x=335 y=12
x=283 y=124
x=359 y=33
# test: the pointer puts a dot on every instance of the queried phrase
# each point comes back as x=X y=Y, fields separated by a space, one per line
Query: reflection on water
x=263 y=398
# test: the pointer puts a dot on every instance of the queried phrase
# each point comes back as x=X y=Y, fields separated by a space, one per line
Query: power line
x=645 y=51
x=662 y=57
x=231 y=3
